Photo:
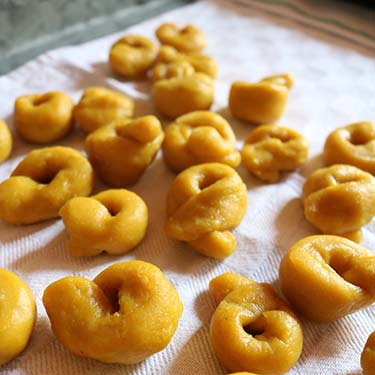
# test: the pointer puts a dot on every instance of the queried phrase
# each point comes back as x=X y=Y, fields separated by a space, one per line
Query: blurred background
x=31 y=27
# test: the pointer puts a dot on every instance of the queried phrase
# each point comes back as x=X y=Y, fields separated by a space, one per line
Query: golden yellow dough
x=41 y=184
x=100 y=106
x=176 y=96
x=201 y=63
x=172 y=70
x=327 y=277
x=126 y=314
x=132 y=55
x=368 y=356
x=262 y=102
x=353 y=144
x=242 y=373
x=252 y=329
x=6 y=141
x=199 y=137
x=43 y=118
x=340 y=200
x=187 y=39
x=204 y=203
x=114 y=221
x=271 y=149
x=17 y=315
x=121 y=152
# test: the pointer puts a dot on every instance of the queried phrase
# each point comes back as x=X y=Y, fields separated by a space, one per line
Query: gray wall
x=30 y=27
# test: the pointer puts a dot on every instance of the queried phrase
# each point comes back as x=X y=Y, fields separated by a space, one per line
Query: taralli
x=17 y=318
x=199 y=137
x=132 y=56
x=368 y=356
x=114 y=221
x=6 y=141
x=271 y=149
x=327 y=277
x=260 y=103
x=42 y=183
x=186 y=39
x=126 y=314
x=121 y=152
x=352 y=144
x=201 y=63
x=204 y=202
x=176 y=96
x=253 y=329
x=172 y=70
x=340 y=200
x=100 y=106
x=43 y=118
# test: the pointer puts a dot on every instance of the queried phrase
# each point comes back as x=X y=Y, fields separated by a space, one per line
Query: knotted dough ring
x=132 y=55
x=186 y=39
x=252 y=328
x=6 y=141
x=270 y=149
x=201 y=63
x=114 y=221
x=17 y=318
x=127 y=313
x=339 y=200
x=100 y=106
x=199 y=137
x=353 y=144
x=43 y=118
x=262 y=102
x=327 y=277
x=204 y=202
x=120 y=152
x=368 y=356
x=42 y=183
x=182 y=92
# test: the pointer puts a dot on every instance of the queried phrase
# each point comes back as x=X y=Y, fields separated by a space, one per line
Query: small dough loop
x=17 y=318
x=368 y=356
x=327 y=277
x=6 y=141
x=204 y=202
x=132 y=55
x=187 y=39
x=121 y=152
x=199 y=137
x=252 y=328
x=353 y=144
x=126 y=314
x=260 y=103
x=100 y=106
x=176 y=96
x=172 y=70
x=114 y=221
x=271 y=149
x=43 y=118
x=340 y=200
x=201 y=63
x=42 y=183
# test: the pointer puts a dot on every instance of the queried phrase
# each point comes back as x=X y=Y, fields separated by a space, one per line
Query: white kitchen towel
x=334 y=86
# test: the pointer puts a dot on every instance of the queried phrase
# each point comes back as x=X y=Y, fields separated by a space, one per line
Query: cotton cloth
x=333 y=67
